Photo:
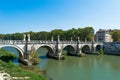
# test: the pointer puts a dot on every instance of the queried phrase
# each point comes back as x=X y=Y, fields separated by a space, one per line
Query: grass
x=16 y=71
x=9 y=67
x=6 y=56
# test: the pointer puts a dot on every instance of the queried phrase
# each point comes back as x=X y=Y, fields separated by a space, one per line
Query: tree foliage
x=56 y=32
x=87 y=32
x=116 y=35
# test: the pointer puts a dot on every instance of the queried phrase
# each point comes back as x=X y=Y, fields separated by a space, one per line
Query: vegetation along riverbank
x=10 y=70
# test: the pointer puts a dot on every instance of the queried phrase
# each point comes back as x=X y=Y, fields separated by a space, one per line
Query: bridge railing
x=43 y=42
x=68 y=42
x=12 y=42
x=29 y=42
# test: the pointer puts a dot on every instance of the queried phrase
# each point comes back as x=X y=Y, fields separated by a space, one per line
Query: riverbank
x=17 y=72
x=13 y=71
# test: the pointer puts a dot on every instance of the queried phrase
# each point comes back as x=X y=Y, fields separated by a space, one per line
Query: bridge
x=55 y=48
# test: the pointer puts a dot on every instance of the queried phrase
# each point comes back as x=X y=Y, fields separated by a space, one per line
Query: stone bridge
x=55 y=48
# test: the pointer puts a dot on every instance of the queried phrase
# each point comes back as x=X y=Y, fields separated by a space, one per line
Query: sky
x=46 y=15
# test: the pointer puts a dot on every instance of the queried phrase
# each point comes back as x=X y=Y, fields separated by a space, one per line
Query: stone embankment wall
x=111 y=48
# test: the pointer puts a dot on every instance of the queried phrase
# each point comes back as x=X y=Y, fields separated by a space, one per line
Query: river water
x=90 y=67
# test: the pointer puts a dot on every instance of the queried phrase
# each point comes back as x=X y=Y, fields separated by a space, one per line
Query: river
x=90 y=67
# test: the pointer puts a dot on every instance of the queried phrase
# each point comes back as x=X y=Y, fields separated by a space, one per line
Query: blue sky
x=46 y=15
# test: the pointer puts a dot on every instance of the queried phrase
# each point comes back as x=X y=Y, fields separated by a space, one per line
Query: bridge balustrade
x=68 y=42
x=12 y=42
x=43 y=42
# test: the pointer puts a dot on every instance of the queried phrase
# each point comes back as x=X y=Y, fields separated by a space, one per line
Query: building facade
x=103 y=36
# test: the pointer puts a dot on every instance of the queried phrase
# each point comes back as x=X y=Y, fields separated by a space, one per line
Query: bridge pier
x=58 y=50
x=25 y=60
x=57 y=56
x=78 y=51
x=26 y=48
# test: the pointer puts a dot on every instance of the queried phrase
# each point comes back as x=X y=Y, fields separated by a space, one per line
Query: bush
x=34 y=58
x=101 y=51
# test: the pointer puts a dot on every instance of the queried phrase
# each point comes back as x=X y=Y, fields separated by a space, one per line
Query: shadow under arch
x=19 y=52
x=98 y=47
x=68 y=50
x=44 y=50
x=86 y=49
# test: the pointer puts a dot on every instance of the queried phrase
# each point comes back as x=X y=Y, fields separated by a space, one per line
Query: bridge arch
x=21 y=53
x=50 y=49
x=86 y=49
x=70 y=49
x=98 y=47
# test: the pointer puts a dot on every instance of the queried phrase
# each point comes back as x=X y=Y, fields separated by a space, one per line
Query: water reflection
x=90 y=67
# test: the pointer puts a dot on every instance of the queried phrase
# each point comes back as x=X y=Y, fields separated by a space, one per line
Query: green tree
x=57 y=32
x=16 y=36
x=43 y=35
x=1 y=36
x=32 y=35
x=71 y=33
x=87 y=32
x=116 y=35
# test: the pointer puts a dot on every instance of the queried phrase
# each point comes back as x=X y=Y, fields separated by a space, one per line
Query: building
x=103 y=36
